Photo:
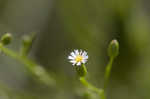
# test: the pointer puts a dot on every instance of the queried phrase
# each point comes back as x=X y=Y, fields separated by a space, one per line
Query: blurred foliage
x=64 y=25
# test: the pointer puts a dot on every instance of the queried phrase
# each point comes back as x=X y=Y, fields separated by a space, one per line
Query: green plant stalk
x=41 y=74
x=100 y=92
x=108 y=71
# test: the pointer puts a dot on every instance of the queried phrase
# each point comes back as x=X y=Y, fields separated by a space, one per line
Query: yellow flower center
x=79 y=58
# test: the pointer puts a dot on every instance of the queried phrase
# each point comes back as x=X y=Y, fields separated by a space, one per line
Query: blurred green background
x=65 y=25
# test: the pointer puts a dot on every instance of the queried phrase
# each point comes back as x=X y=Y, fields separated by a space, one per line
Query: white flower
x=78 y=57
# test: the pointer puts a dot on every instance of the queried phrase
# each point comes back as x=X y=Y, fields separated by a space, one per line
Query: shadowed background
x=65 y=25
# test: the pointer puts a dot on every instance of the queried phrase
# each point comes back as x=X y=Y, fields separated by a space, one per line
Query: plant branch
x=100 y=92
x=32 y=67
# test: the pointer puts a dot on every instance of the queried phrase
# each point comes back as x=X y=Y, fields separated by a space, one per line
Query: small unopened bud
x=81 y=70
x=27 y=43
x=113 y=49
x=6 y=39
x=26 y=40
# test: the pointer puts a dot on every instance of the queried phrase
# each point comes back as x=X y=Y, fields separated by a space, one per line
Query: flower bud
x=113 y=49
x=6 y=39
x=27 y=43
x=81 y=70
x=26 y=40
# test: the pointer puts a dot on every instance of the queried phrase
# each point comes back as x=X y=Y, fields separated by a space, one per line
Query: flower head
x=78 y=57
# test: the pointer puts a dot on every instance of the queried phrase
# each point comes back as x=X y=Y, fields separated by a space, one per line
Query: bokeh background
x=65 y=25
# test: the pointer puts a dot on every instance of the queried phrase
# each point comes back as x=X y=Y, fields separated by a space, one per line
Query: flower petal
x=85 y=57
x=79 y=63
x=84 y=61
x=80 y=52
x=76 y=52
x=72 y=61
x=73 y=54
x=84 y=53
x=73 y=64
x=70 y=57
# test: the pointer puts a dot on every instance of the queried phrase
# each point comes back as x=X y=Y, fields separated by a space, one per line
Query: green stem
x=108 y=71
x=32 y=67
x=100 y=92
